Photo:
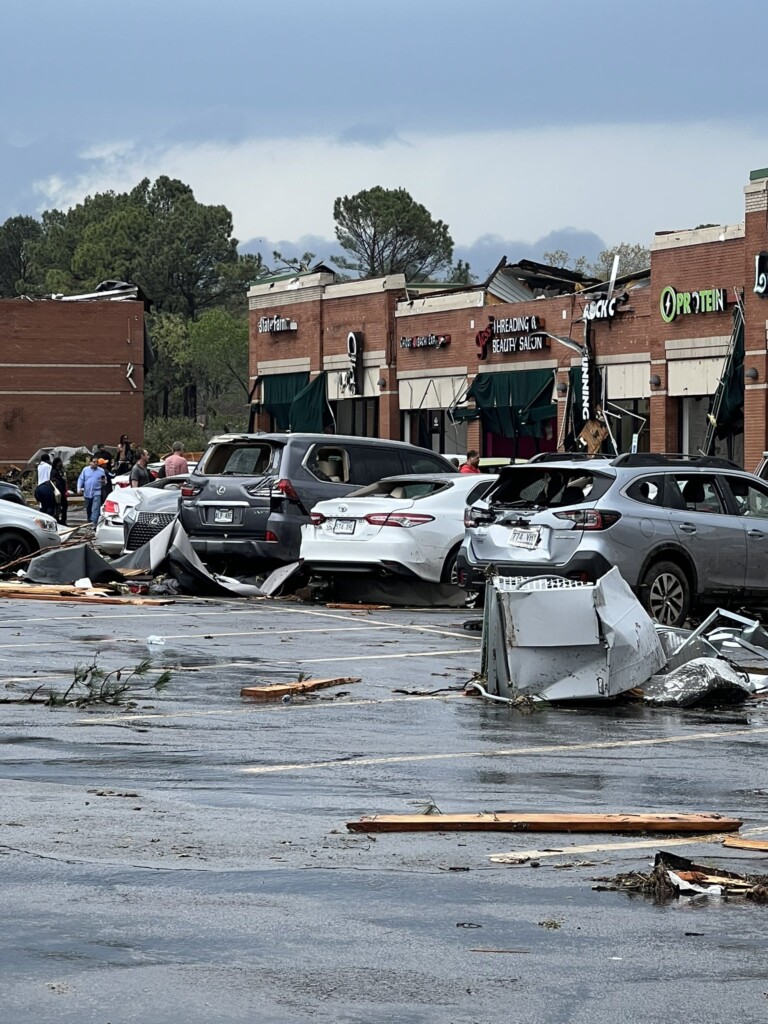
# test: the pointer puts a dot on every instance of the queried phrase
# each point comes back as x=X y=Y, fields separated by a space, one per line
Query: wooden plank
x=84 y=599
x=746 y=844
x=348 y=606
x=277 y=691
x=525 y=822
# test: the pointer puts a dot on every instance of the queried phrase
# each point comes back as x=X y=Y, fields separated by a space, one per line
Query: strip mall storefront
x=676 y=359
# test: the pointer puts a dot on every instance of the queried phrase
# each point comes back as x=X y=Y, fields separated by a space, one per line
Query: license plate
x=223 y=515
x=344 y=526
x=524 y=538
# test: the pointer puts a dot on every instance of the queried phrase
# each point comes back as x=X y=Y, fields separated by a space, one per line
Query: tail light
x=476 y=517
x=316 y=518
x=111 y=507
x=271 y=537
x=286 y=488
x=406 y=519
x=189 y=491
x=590 y=518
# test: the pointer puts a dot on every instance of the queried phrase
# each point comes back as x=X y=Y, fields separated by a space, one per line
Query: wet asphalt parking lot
x=187 y=860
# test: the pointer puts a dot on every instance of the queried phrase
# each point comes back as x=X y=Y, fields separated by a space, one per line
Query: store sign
x=600 y=309
x=276 y=325
x=586 y=390
x=511 y=335
x=426 y=341
x=351 y=381
x=673 y=303
x=761 y=275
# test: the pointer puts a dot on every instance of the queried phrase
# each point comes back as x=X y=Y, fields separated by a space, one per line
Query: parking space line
x=562 y=748
x=376 y=657
x=634 y=844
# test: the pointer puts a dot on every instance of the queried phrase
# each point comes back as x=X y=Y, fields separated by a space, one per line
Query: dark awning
x=726 y=414
x=309 y=410
x=280 y=389
x=514 y=404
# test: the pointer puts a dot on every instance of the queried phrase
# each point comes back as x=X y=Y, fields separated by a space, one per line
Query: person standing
x=472 y=465
x=44 y=492
x=124 y=455
x=176 y=464
x=89 y=485
x=59 y=481
x=140 y=474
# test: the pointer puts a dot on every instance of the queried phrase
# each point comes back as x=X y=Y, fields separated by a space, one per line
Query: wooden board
x=746 y=844
x=279 y=690
x=525 y=822
x=348 y=606
x=82 y=598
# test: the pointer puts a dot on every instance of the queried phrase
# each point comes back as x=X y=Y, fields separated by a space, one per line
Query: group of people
x=95 y=480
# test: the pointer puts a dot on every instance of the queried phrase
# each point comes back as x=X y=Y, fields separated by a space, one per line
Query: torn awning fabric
x=514 y=404
x=280 y=390
x=310 y=412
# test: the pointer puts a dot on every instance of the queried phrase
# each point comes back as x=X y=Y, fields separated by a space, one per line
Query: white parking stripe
x=376 y=657
x=563 y=748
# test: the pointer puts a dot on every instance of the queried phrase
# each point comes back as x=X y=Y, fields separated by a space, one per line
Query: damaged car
x=684 y=532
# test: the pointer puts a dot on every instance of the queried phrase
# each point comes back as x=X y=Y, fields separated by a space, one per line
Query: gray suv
x=250 y=494
x=683 y=531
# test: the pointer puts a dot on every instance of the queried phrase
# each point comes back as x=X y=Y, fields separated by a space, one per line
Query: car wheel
x=14 y=545
x=450 y=573
x=667 y=593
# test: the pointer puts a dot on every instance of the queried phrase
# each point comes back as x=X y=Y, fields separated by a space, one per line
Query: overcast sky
x=523 y=125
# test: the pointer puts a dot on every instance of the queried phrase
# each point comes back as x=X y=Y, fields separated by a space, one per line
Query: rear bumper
x=369 y=568
x=585 y=565
x=251 y=546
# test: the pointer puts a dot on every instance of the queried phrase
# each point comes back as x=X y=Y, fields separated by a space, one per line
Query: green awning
x=514 y=404
x=460 y=415
x=726 y=414
x=310 y=412
x=280 y=389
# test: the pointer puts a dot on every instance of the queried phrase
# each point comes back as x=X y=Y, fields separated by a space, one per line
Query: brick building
x=72 y=372
x=502 y=367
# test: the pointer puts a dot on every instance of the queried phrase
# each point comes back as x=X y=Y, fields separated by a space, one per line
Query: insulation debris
x=673 y=876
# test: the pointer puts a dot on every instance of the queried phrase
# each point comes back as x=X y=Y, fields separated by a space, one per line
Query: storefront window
x=433 y=429
x=627 y=425
x=357 y=417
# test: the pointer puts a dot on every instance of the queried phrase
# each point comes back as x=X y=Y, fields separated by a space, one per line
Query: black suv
x=250 y=494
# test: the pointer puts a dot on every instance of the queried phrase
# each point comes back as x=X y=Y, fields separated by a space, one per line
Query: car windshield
x=399 y=489
x=545 y=486
x=238 y=459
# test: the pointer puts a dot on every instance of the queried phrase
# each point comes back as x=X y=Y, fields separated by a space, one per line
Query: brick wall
x=63 y=368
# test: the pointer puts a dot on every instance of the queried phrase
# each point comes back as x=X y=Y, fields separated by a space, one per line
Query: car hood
x=159 y=501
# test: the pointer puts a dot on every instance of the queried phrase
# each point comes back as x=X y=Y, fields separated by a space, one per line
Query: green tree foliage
x=386 y=231
x=160 y=433
x=18 y=237
x=461 y=274
x=218 y=362
x=632 y=259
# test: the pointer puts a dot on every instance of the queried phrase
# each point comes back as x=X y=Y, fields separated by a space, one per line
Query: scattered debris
x=550 y=923
x=346 y=606
x=673 y=876
x=740 y=843
x=604 y=644
x=93 y=685
x=703 y=680
x=535 y=822
x=277 y=691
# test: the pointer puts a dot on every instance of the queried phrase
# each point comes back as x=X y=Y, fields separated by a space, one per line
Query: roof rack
x=566 y=457
x=671 y=458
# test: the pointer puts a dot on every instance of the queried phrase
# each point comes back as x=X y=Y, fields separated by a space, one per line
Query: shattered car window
x=547 y=487
x=234 y=459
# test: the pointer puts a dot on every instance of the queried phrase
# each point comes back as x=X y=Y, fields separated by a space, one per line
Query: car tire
x=450 y=573
x=666 y=593
x=14 y=545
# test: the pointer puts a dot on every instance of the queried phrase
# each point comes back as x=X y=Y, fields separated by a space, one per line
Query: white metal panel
x=628 y=380
x=694 y=376
x=370 y=384
x=430 y=392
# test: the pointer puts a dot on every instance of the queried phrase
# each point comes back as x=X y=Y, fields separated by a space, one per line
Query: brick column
x=755 y=322
x=389 y=405
x=664 y=428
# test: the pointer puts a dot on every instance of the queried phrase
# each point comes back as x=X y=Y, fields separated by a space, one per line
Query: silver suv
x=683 y=531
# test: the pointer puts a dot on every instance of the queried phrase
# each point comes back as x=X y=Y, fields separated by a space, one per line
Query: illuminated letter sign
x=673 y=303
x=276 y=325
x=761 y=275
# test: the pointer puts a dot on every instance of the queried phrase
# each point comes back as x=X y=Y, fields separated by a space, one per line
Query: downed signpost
x=276 y=691
x=536 y=822
x=673 y=876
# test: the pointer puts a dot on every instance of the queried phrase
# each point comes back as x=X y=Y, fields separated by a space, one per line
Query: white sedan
x=408 y=526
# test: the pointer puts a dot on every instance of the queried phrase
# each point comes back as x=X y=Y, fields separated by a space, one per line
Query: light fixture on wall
x=751 y=373
x=655 y=380
x=562 y=388
x=382 y=382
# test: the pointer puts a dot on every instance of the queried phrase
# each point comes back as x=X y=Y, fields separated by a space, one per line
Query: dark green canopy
x=514 y=404
x=280 y=389
x=726 y=415
x=310 y=412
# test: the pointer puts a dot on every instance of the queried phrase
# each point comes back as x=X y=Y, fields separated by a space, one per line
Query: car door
x=706 y=529
x=750 y=503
